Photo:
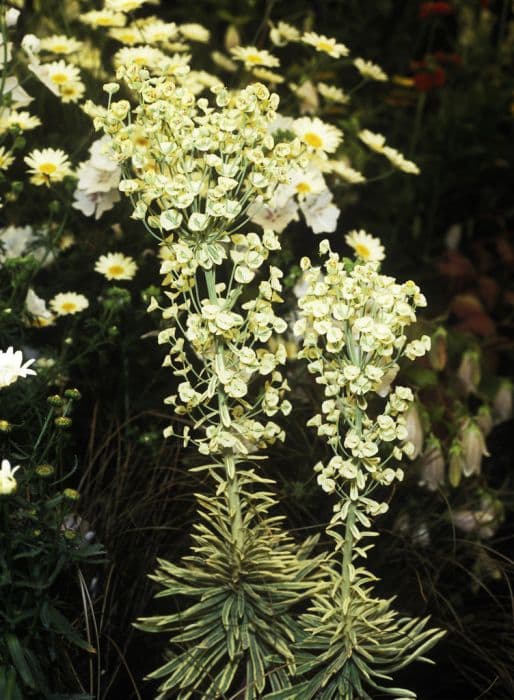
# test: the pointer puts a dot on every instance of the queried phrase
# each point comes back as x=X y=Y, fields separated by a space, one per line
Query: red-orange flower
x=429 y=9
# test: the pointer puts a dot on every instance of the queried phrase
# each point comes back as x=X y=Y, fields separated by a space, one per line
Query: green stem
x=232 y=492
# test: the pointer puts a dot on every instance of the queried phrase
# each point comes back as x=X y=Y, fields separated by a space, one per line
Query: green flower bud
x=63 y=422
x=73 y=394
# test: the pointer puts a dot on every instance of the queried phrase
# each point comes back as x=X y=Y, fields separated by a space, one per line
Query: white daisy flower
x=12 y=367
x=252 y=56
x=325 y=44
x=103 y=18
x=61 y=78
x=195 y=32
x=345 y=171
x=283 y=33
x=47 y=165
x=123 y=5
x=305 y=182
x=399 y=161
x=333 y=93
x=22 y=120
x=317 y=134
x=60 y=44
x=374 y=141
x=68 y=303
x=369 y=70
x=366 y=247
x=116 y=266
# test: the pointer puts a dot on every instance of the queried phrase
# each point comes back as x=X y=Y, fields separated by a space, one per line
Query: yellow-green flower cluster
x=353 y=323
x=196 y=169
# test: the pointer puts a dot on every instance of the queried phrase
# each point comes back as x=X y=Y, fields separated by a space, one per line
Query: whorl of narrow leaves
x=237 y=634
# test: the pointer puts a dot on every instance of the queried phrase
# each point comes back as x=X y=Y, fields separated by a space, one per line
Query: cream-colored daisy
x=68 y=303
x=283 y=33
x=325 y=44
x=21 y=120
x=60 y=44
x=127 y=35
x=47 y=165
x=366 y=247
x=333 y=93
x=103 y=18
x=223 y=61
x=153 y=30
x=143 y=56
x=61 y=78
x=399 y=161
x=345 y=171
x=116 y=266
x=372 y=140
x=124 y=5
x=268 y=76
x=317 y=134
x=6 y=158
x=305 y=182
x=195 y=32
x=370 y=70
x=252 y=56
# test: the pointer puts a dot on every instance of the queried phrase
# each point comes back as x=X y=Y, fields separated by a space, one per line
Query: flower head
x=68 y=303
x=366 y=247
x=47 y=165
x=252 y=56
x=318 y=135
x=325 y=44
x=60 y=44
x=116 y=266
x=8 y=483
x=12 y=367
x=369 y=70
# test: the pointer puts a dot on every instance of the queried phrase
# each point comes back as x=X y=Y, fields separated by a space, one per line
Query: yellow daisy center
x=253 y=58
x=325 y=46
x=69 y=306
x=312 y=139
x=60 y=78
x=303 y=187
x=115 y=270
x=362 y=251
x=47 y=168
x=60 y=48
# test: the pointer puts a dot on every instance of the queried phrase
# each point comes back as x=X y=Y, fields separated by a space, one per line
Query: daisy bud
x=474 y=448
x=63 y=422
x=55 y=401
x=73 y=394
x=45 y=470
x=71 y=494
x=5 y=426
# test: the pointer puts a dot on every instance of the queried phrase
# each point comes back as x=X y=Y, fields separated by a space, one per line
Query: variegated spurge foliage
x=352 y=323
x=194 y=170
